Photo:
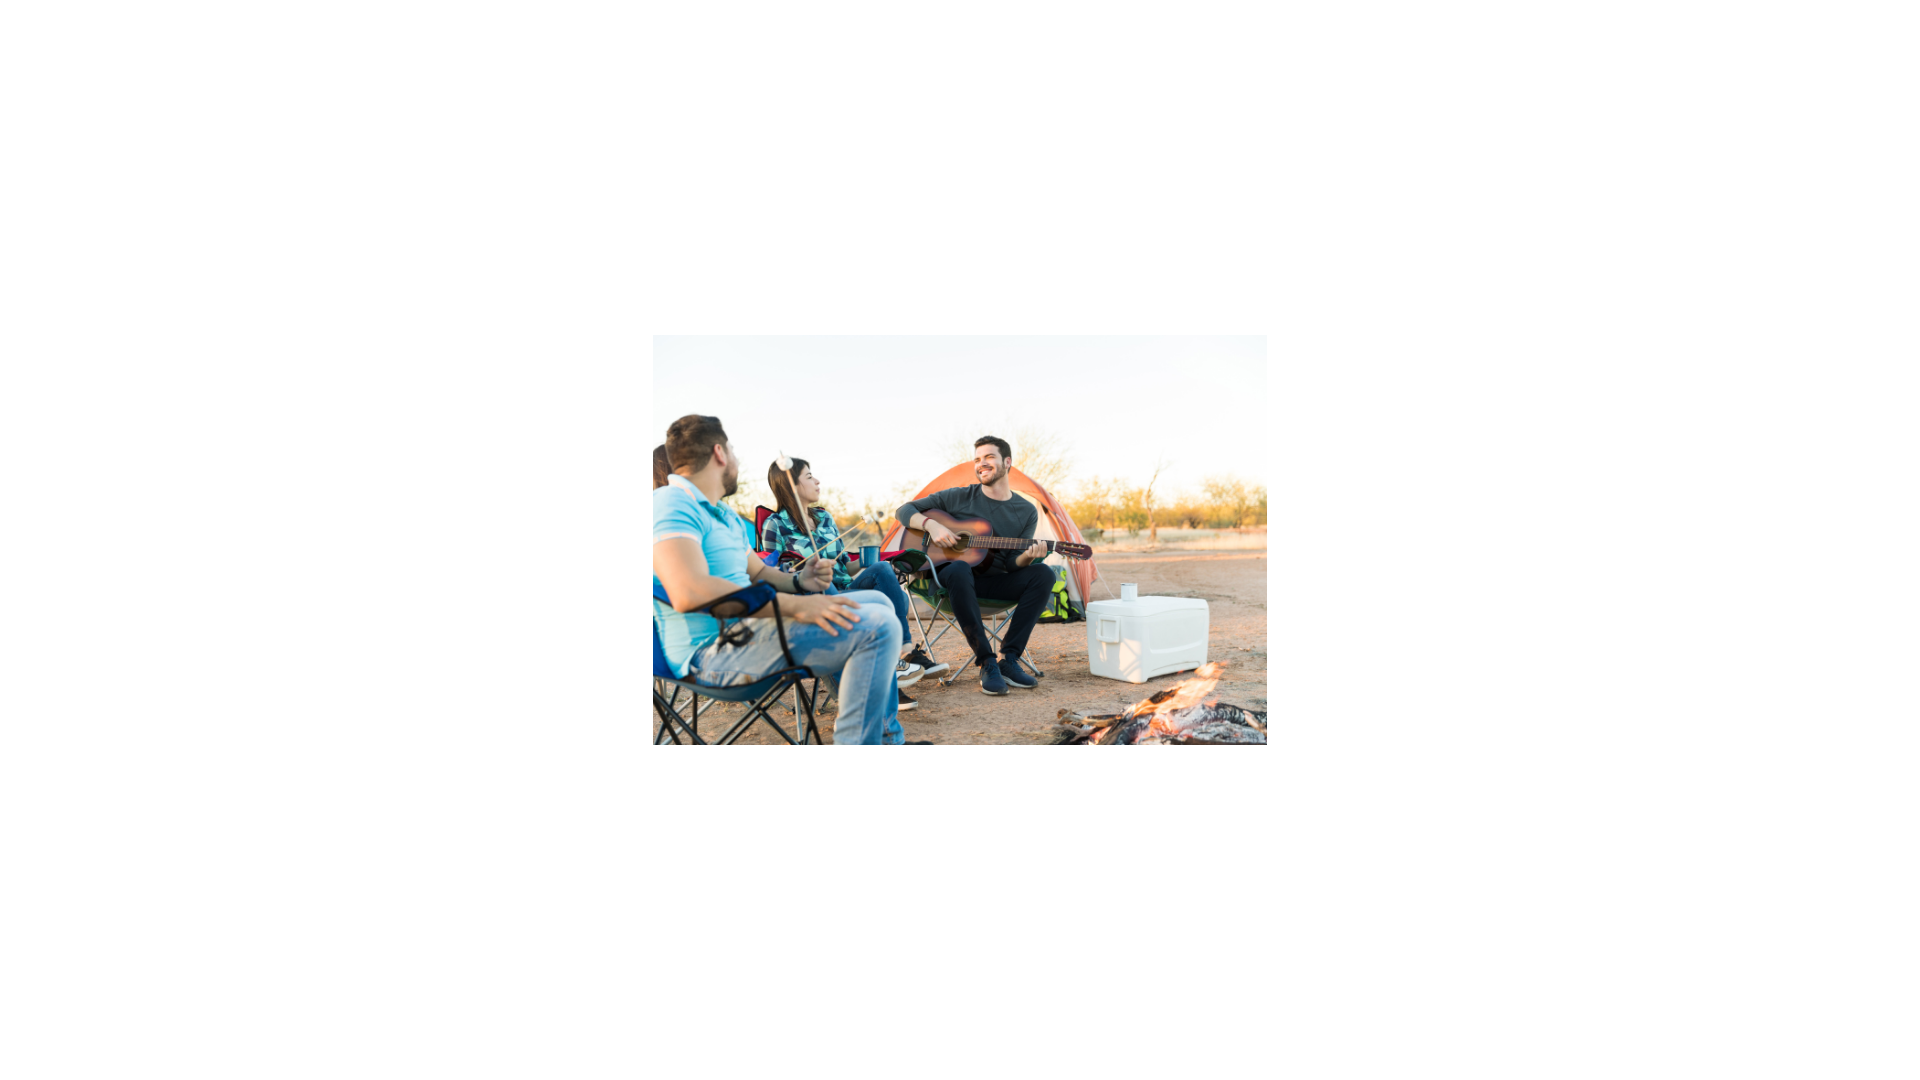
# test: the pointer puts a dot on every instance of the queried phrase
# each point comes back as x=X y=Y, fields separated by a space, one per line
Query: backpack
x=1060 y=606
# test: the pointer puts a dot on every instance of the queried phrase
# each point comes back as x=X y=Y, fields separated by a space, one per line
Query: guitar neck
x=1004 y=542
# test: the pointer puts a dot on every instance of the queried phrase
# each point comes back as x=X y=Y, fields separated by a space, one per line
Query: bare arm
x=682 y=569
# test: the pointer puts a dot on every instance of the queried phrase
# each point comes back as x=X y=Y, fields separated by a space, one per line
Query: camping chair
x=993 y=617
x=757 y=695
x=789 y=562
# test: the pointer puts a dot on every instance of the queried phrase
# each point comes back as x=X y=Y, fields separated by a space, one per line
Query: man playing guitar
x=1012 y=575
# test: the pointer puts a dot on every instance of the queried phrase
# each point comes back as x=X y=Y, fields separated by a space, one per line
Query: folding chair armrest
x=740 y=601
x=909 y=558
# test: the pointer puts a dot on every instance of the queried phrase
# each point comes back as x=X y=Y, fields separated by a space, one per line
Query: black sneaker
x=907 y=704
x=1016 y=675
x=927 y=663
x=990 y=680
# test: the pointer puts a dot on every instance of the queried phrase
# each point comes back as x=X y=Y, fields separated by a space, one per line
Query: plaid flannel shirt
x=779 y=534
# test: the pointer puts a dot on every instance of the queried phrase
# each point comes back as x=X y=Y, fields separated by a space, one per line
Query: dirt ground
x=1233 y=583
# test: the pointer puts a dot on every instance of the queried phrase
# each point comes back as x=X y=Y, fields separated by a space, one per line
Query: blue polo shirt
x=679 y=509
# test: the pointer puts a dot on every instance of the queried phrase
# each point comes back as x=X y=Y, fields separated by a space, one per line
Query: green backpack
x=1060 y=607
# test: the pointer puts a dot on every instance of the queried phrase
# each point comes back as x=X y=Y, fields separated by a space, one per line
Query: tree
x=1229 y=499
x=1130 y=508
x=1160 y=465
x=1089 y=504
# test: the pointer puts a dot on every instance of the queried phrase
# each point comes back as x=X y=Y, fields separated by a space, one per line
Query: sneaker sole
x=911 y=679
x=939 y=669
x=993 y=693
x=1017 y=686
x=908 y=706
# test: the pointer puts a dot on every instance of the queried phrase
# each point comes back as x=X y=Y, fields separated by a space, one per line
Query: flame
x=1185 y=695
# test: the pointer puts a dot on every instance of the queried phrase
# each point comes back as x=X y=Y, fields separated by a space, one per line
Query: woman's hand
x=817 y=574
x=825 y=612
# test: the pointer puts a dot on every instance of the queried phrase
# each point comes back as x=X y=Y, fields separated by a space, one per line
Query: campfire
x=1178 y=715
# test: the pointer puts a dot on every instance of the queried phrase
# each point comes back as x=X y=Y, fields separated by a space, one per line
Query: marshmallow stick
x=836 y=531
x=786 y=466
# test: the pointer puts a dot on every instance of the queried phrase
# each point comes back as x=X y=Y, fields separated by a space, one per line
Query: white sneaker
x=908 y=674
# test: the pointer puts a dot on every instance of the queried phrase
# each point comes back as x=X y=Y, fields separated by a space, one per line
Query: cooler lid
x=1144 y=607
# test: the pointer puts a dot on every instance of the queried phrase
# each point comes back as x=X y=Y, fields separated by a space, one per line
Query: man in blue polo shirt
x=703 y=551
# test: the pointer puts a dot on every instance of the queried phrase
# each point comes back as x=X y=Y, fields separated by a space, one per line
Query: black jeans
x=1030 y=586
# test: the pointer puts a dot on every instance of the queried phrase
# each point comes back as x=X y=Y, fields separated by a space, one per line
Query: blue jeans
x=862 y=660
x=882 y=579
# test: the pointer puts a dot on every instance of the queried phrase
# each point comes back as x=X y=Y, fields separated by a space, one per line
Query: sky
x=871 y=413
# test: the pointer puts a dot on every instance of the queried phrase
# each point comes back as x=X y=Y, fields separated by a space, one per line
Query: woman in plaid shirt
x=796 y=503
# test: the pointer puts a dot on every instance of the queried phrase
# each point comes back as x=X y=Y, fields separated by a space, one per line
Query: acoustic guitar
x=974 y=539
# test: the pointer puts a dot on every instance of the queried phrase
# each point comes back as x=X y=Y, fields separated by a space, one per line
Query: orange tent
x=1054 y=523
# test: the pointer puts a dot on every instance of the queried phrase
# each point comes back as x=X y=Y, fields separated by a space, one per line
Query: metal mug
x=869 y=556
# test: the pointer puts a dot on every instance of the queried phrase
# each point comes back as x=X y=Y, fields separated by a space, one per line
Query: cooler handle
x=1106 y=626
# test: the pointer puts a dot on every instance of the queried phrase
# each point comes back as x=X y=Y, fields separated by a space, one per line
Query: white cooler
x=1136 y=638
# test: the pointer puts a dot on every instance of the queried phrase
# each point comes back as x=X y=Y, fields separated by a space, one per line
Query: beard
x=730 y=482
x=989 y=476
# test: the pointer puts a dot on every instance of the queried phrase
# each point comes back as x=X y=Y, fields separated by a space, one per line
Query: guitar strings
x=1098 y=575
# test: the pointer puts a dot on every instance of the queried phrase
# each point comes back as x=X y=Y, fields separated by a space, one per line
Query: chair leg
x=672 y=723
x=945 y=623
x=811 y=700
x=994 y=630
x=914 y=610
x=961 y=670
x=942 y=617
x=757 y=711
x=972 y=660
x=662 y=708
x=813 y=728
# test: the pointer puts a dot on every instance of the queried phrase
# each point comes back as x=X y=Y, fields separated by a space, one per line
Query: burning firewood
x=1174 y=716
